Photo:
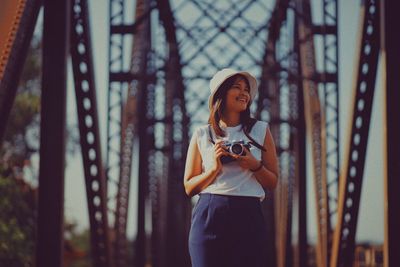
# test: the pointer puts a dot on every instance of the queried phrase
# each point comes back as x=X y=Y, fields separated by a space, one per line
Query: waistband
x=231 y=198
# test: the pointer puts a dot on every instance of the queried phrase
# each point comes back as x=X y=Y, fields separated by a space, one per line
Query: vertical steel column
x=116 y=86
x=177 y=202
x=315 y=121
x=330 y=82
x=351 y=180
x=301 y=183
x=125 y=113
x=52 y=133
x=296 y=252
x=391 y=58
x=140 y=56
x=18 y=23
x=176 y=141
x=85 y=90
x=301 y=188
x=268 y=99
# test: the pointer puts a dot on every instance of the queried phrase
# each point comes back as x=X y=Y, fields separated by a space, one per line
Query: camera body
x=234 y=147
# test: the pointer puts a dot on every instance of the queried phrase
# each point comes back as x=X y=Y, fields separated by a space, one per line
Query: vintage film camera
x=234 y=147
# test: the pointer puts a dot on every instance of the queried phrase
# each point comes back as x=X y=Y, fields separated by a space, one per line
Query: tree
x=76 y=246
x=17 y=221
x=18 y=197
x=21 y=138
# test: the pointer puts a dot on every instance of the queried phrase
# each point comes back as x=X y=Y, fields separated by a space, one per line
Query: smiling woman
x=230 y=162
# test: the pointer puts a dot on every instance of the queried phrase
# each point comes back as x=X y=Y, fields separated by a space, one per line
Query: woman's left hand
x=247 y=161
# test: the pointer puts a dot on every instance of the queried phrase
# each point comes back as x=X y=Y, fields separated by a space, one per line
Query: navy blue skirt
x=227 y=231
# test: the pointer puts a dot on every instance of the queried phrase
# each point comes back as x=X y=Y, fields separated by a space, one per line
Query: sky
x=370 y=222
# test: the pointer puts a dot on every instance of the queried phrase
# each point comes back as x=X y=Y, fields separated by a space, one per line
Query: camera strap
x=210 y=135
x=252 y=141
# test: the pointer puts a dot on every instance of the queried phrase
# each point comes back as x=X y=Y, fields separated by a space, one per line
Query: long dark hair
x=219 y=103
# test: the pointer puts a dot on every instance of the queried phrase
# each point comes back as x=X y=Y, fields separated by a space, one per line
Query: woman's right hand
x=219 y=151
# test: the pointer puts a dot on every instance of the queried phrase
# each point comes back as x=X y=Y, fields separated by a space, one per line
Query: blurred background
x=111 y=90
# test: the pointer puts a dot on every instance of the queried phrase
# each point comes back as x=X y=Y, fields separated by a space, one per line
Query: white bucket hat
x=224 y=74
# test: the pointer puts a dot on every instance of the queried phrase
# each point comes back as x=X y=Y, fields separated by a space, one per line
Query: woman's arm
x=267 y=176
x=194 y=180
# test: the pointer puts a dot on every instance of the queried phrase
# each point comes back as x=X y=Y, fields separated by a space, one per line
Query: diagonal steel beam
x=315 y=122
x=85 y=91
x=353 y=170
x=18 y=23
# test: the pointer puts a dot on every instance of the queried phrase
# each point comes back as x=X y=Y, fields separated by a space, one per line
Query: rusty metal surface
x=18 y=20
x=11 y=14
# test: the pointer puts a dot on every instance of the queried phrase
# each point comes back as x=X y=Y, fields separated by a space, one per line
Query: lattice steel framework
x=173 y=201
x=275 y=104
x=196 y=47
x=128 y=84
x=147 y=102
x=329 y=81
x=154 y=113
x=315 y=121
x=117 y=85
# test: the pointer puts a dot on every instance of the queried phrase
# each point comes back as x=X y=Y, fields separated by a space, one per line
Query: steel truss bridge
x=161 y=54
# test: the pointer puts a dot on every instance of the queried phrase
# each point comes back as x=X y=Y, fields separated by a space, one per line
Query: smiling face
x=238 y=95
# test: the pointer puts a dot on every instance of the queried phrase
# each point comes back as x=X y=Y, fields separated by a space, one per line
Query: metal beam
x=173 y=220
x=270 y=95
x=18 y=23
x=391 y=64
x=85 y=90
x=116 y=87
x=300 y=190
x=329 y=80
x=128 y=120
x=315 y=121
x=50 y=233
x=353 y=170
x=137 y=120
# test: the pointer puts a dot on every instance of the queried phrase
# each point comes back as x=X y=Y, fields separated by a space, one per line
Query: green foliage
x=77 y=246
x=21 y=138
x=18 y=201
x=17 y=218
x=17 y=198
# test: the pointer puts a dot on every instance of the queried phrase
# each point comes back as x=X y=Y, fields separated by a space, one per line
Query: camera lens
x=237 y=149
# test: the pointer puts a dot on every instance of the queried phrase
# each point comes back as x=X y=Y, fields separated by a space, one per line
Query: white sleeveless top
x=233 y=179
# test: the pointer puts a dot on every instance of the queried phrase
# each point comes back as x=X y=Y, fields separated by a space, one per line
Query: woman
x=227 y=222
